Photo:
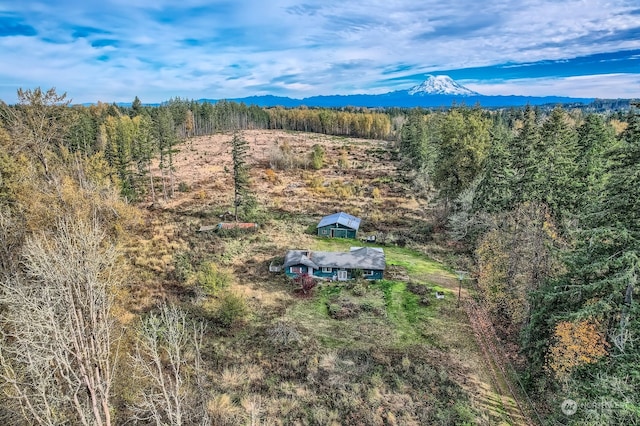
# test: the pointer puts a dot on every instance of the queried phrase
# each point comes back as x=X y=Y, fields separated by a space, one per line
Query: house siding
x=318 y=273
x=304 y=269
x=326 y=275
x=336 y=231
x=377 y=275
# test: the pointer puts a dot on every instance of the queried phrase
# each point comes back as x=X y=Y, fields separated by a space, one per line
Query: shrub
x=232 y=309
x=282 y=157
x=343 y=159
x=343 y=189
x=418 y=289
x=343 y=309
x=305 y=283
x=359 y=289
x=333 y=309
x=223 y=411
x=317 y=157
x=212 y=279
x=316 y=183
x=271 y=176
x=375 y=193
x=183 y=269
x=283 y=333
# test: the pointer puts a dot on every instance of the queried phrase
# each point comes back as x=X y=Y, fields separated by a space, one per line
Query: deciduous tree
x=38 y=123
x=463 y=146
x=576 y=344
x=168 y=357
x=57 y=327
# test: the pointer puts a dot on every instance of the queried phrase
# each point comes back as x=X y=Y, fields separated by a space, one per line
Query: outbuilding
x=339 y=225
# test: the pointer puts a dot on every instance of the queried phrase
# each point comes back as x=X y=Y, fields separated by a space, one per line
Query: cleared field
x=385 y=352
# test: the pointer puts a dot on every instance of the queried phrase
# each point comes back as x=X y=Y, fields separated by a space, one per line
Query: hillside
x=370 y=353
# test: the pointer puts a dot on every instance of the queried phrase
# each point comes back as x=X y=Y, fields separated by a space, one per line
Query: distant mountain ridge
x=439 y=91
x=435 y=91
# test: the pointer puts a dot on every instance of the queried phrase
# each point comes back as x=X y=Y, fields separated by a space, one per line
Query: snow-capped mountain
x=436 y=91
x=440 y=85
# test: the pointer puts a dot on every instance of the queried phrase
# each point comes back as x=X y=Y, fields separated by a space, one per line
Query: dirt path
x=515 y=410
x=494 y=389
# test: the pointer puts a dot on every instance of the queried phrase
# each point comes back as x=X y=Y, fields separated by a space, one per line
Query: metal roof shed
x=339 y=225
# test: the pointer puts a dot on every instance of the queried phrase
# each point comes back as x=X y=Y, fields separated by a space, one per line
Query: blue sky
x=113 y=50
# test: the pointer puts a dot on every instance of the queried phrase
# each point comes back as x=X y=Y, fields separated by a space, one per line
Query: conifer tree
x=136 y=107
x=495 y=192
x=595 y=137
x=167 y=138
x=464 y=143
x=523 y=154
x=83 y=132
x=145 y=150
x=414 y=146
x=555 y=178
x=241 y=195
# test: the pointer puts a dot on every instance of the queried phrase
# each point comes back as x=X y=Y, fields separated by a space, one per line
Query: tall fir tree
x=414 y=144
x=239 y=151
x=495 y=192
x=166 y=137
x=555 y=179
x=464 y=144
x=595 y=137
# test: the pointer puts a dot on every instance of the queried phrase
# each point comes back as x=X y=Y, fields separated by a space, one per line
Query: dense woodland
x=545 y=203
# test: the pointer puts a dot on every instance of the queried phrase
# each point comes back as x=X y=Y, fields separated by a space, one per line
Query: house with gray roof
x=339 y=225
x=339 y=266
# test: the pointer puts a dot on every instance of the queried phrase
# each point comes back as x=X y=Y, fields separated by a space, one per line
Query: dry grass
x=374 y=366
x=224 y=411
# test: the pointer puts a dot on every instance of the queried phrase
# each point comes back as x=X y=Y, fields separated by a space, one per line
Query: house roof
x=299 y=257
x=357 y=258
x=342 y=218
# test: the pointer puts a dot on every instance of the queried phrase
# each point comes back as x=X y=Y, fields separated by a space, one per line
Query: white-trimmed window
x=296 y=270
x=368 y=272
x=326 y=270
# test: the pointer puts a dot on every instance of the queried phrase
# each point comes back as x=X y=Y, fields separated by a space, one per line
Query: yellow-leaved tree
x=576 y=344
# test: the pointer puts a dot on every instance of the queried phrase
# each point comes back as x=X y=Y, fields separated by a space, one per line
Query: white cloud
x=607 y=86
x=337 y=46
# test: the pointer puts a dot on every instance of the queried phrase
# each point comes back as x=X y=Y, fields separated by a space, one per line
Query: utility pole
x=461 y=276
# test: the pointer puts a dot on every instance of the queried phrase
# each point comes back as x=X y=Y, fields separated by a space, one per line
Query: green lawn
x=417 y=265
x=387 y=311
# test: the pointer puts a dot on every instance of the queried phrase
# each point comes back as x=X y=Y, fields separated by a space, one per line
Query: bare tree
x=11 y=238
x=168 y=358
x=56 y=327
